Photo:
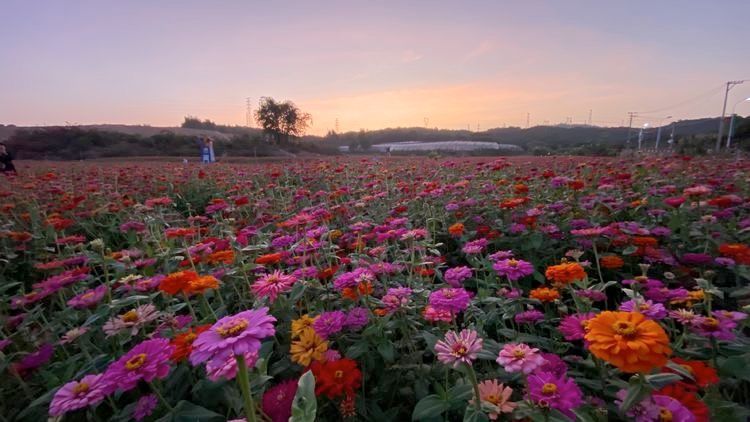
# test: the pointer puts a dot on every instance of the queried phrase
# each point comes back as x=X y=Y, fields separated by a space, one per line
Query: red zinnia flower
x=183 y=342
x=336 y=378
x=703 y=374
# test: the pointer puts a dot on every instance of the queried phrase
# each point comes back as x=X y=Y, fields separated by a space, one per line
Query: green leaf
x=737 y=367
x=472 y=415
x=630 y=250
x=460 y=394
x=429 y=407
x=305 y=405
x=635 y=393
x=657 y=381
x=386 y=351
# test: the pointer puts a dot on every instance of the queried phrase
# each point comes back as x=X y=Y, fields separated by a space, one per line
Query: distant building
x=344 y=148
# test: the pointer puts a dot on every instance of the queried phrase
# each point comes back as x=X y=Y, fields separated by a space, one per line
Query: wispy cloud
x=482 y=49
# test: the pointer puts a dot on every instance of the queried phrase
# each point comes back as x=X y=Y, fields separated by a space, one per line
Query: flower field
x=378 y=289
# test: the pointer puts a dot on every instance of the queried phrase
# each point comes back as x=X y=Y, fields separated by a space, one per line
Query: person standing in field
x=6 y=160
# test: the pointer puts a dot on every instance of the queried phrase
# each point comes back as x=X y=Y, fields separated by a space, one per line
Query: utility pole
x=337 y=125
x=730 y=85
x=248 y=113
x=426 y=122
x=631 y=114
x=590 y=113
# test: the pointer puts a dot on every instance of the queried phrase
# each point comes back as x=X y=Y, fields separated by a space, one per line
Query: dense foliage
x=402 y=289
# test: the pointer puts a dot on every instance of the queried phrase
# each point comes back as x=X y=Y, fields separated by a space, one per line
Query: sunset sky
x=371 y=64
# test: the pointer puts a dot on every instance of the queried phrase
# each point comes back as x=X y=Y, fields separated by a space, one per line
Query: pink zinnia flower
x=646 y=307
x=353 y=278
x=519 y=357
x=456 y=276
x=456 y=349
x=475 y=246
x=496 y=397
x=714 y=327
x=89 y=298
x=329 y=323
x=453 y=300
x=572 y=327
x=437 y=315
x=277 y=401
x=513 y=269
x=227 y=369
x=146 y=361
x=132 y=320
x=233 y=335
x=145 y=407
x=74 y=395
x=271 y=285
x=33 y=361
x=671 y=409
x=529 y=317
x=548 y=390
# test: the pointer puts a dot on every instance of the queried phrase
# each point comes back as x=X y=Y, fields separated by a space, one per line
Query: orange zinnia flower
x=611 y=262
x=226 y=257
x=269 y=259
x=201 y=284
x=565 y=273
x=363 y=289
x=628 y=340
x=183 y=342
x=456 y=230
x=177 y=282
x=545 y=294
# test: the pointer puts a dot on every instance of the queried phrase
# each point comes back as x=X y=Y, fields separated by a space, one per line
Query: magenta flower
x=548 y=390
x=329 y=323
x=456 y=349
x=519 y=357
x=572 y=327
x=271 y=285
x=232 y=335
x=356 y=318
x=437 y=315
x=646 y=307
x=145 y=407
x=89 y=298
x=553 y=364
x=513 y=269
x=450 y=299
x=277 y=401
x=33 y=361
x=146 y=361
x=353 y=278
x=90 y=390
x=714 y=327
x=529 y=317
x=475 y=246
x=227 y=369
x=456 y=276
x=671 y=409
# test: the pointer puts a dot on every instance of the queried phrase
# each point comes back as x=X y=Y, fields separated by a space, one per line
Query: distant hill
x=6 y=131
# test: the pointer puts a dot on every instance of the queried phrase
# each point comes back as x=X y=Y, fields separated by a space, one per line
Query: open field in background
x=376 y=288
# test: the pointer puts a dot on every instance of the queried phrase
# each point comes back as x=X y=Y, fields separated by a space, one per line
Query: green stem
x=161 y=398
x=243 y=379
x=475 y=384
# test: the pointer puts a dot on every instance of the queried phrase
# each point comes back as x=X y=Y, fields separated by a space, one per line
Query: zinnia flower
x=271 y=285
x=183 y=342
x=145 y=407
x=337 y=378
x=227 y=369
x=573 y=326
x=277 y=401
x=628 y=340
x=450 y=299
x=513 y=269
x=456 y=349
x=131 y=320
x=519 y=357
x=233 y=335
x=329 y=323
x=496 y=397
x=146 y=361
x=89 y=298
x=457 y=275
x=565 y=273
x=646 y=307
x=90 y=390
x=551 y=391
x=309 y=347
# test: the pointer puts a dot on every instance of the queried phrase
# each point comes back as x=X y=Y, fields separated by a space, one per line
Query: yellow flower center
x=232 y=328
x=87 y=295
x=338 y=374
x=130 y=316
x=710 y=323
x=492 y=398
x=687 y=369
x=665 y=415
x=519 y=354
x=135 y=362
x=644 y=307
x=549 y=389
x=459 y=350
x=513 y=263
x=81 y=387
x=624 y=328
x=190 y=338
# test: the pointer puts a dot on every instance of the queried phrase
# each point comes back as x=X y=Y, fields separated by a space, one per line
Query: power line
x=706 y=94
